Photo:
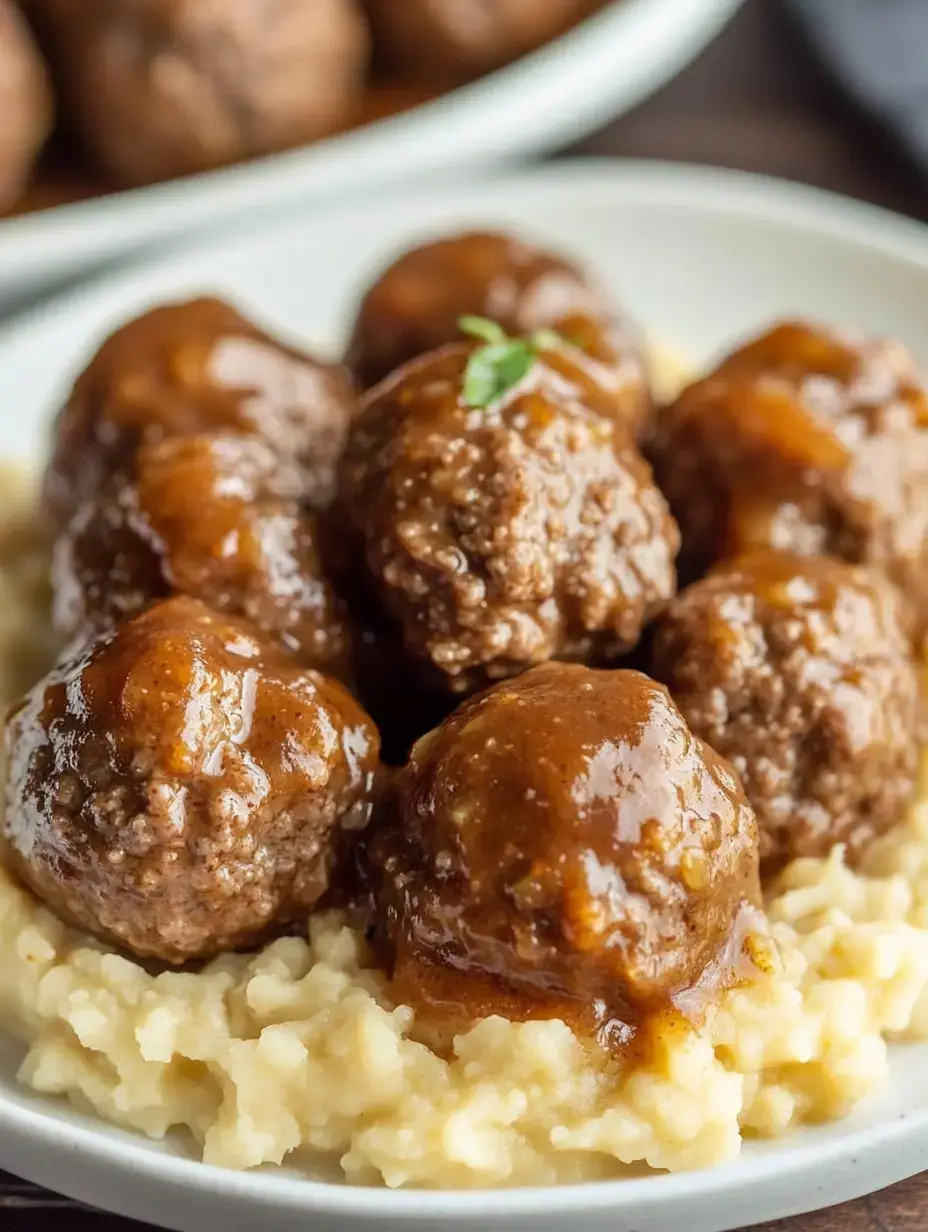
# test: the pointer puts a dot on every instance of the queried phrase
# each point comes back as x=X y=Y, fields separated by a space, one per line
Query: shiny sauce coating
x=415 y=306
x=808 y=441
x=505 y=535
x=179 y=787
x=563 y=846
x=219 y=518
x=191 y=368
x=799 y=672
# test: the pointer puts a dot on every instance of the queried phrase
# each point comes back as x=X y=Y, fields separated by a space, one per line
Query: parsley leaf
x=502 y=363
x=482 y=328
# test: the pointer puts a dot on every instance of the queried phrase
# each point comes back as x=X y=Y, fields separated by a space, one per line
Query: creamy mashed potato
x=299 y=1049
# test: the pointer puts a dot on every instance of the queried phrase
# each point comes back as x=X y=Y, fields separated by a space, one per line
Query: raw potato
x=25 y=102
x=452 y=40
x=161 y=88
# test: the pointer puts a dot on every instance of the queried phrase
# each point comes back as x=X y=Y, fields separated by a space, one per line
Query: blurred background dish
x=179 y=92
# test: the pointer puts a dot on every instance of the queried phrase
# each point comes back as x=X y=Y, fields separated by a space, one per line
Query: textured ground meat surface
x=502 y=536
x=192 y=368
x=216 y=517
x=179 y=787
x=799 y=672
x=808 y=441
x=563 y=846
x=415 y=306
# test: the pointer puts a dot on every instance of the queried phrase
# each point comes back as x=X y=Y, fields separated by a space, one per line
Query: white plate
x=605 y=66
x=702 y=257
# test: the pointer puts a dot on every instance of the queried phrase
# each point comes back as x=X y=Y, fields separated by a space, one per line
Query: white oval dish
x=602 y=68
x=701 y=257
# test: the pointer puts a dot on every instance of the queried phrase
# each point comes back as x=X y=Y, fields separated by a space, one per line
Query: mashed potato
x=299 y=1049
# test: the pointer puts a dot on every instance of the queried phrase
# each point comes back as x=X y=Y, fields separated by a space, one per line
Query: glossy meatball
x=192 y=368
x=501 y=536
x=799 y=672
x=807 y=441
x=446 y=41
x=177 y=787
x=563 y=846
x=416 y=304
x=216 y=517
x=25 y=102
x=162 y=88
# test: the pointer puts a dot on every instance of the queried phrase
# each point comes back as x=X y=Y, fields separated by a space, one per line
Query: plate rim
x=723 y=192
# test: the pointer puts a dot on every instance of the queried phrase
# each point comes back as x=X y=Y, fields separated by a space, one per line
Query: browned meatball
x=446 y=41
x=25 y=102
x=416 y=304
x=216 y=517
x=192 y=368
x=177 y=786
x=799 y=672
x=563 y=846
x=807 y=441
x=161 y=88
x=504 y=535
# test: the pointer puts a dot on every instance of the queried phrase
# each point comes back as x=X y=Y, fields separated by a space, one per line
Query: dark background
x=756 y=100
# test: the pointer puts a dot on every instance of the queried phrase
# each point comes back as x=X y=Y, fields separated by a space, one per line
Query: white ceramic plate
x=701 y=257
x=608 y=64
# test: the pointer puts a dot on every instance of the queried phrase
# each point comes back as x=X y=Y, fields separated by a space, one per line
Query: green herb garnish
x=502 y=362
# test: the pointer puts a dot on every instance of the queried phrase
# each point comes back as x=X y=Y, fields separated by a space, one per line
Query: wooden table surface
x=755 y=101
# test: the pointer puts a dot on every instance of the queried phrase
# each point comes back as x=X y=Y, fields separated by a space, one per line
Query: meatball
x=25 y=103
x=806 y=441
x=191 y=368
x=563 y=846
x=416 y=304
x=456 y=40
x=502 y=535
x=216 y=517
x=178 y=786
x=798 y=671
x=162 y=88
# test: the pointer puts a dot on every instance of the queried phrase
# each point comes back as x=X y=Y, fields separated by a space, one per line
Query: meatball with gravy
x=178 y=787
x=25 y=102
x=563 y=847
x=504 y=531
x=192 y=368
x=216 y=517
x=162 y=88
x=807 y=441
x=447 y=41
x=416 y=304
x=799 y=672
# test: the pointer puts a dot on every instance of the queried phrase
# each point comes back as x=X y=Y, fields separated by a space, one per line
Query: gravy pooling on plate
x=477 y=542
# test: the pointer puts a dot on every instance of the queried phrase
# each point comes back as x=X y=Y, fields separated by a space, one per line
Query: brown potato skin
x=415 y=306
x=448 y=41
x=799 y=672
x=808 y=441
x=190 y=368
x=219 y=518
x=504 y=536
x=179 y=787
x=26 y=103
x=563 y=847
x=164 y=88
